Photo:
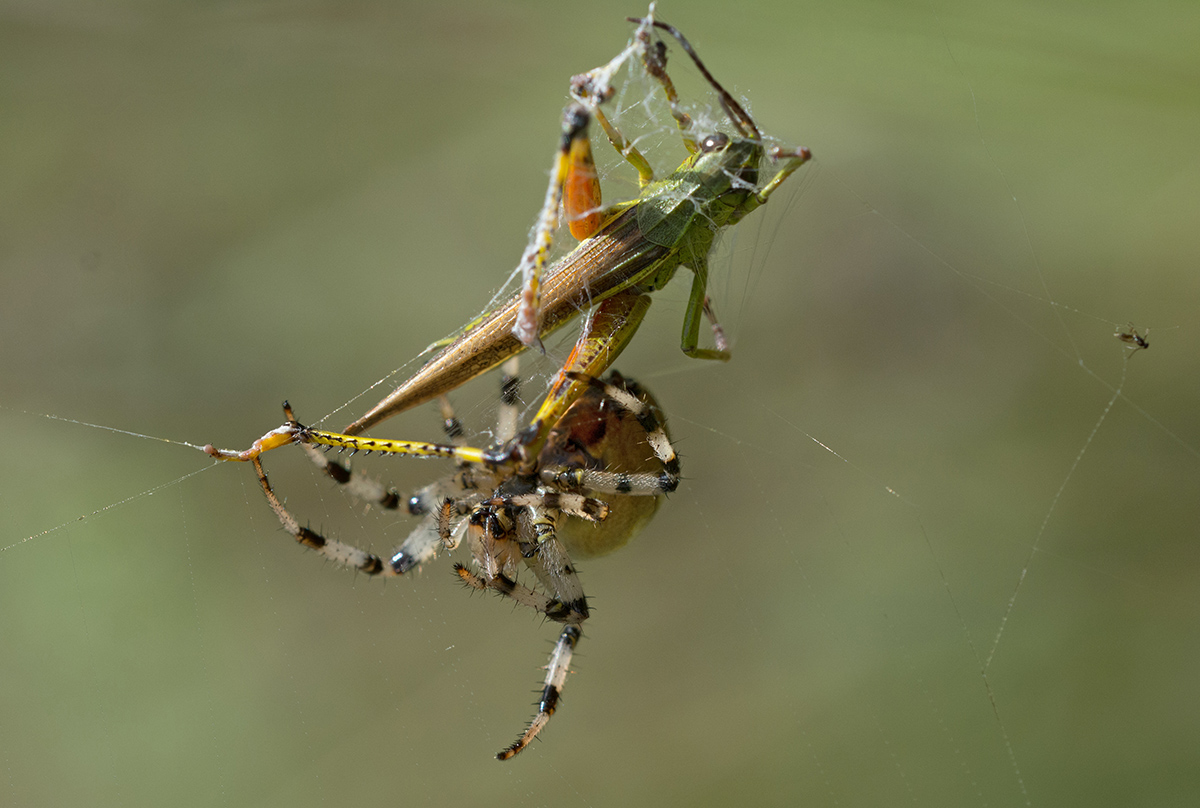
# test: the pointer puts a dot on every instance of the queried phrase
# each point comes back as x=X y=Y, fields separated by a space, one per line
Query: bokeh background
x=208 y=207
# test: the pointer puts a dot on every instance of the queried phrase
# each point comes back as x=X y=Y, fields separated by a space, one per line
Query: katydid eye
x=714 y=142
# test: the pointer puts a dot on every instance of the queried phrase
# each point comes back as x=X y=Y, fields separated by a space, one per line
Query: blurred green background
x=208 y=207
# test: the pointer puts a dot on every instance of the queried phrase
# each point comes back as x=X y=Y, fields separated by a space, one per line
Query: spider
x=597 y=482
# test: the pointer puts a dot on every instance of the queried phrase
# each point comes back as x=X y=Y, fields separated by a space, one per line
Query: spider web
x=936 y=537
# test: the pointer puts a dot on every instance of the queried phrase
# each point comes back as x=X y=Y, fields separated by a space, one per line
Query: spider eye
x=714 y=142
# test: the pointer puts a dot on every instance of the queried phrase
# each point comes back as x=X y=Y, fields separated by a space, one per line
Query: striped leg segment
x=510 y=400
x=420 y=546
x=553 y=608
x=339 y=552
x=553 y=568
x=354 y=483
x=497 y=532
x=422 y=543
x=617 y=482
x=556 y=678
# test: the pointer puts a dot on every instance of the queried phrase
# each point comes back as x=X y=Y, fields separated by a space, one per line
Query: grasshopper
x=563 y=465
x=626 y=252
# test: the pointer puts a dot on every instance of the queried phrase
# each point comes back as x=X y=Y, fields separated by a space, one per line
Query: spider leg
x=556 y=677
x=354 y=482
x=554 y=569
x=569 y=606
x=460 y=488
x=612 y=482
x=339 y=552
x=371 y=490
x=470 y=477
x=616 y=482
x=421 y=544
x=589 y=508
x=510 y=398
x=437 y=528
x=552 y=608
x=497 y=554
x=552 y=565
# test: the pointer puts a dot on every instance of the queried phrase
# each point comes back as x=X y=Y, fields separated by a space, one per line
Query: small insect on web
x=514 y=499
x=1136 y=341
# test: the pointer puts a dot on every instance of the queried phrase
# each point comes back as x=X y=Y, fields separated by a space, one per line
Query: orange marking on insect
x=561 y=379
x=581 y=190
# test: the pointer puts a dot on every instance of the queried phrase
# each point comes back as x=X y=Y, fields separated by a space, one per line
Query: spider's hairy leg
x=367 y=488
x=496 y=529
x=504 y=585
x=510 y=399
x=617 y=482
x=421 y=544
x=551 y=564
x=556 y=678
x=354 y=482
x=589 y=508
x=336 y=551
